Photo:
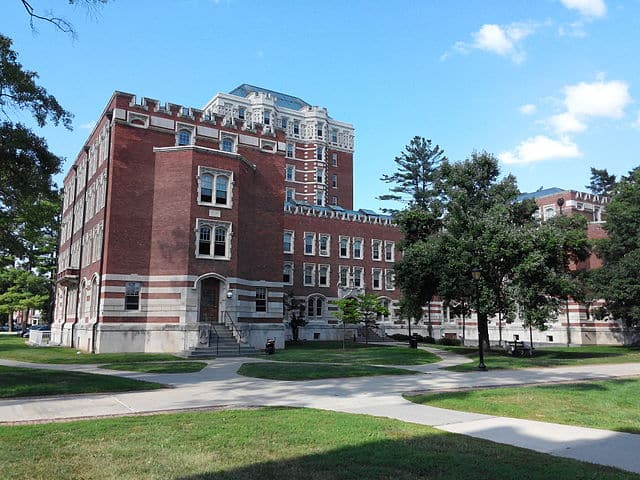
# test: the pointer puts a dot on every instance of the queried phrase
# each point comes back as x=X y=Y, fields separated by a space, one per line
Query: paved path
x=219 y=385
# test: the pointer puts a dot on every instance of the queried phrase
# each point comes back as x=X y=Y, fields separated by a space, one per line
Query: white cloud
x=540 y=148
x=566 y=123
x=527 y=109
x=636 y=123
x=597 y=99
x=88 y=125
x=503 y=40
x=587 y=8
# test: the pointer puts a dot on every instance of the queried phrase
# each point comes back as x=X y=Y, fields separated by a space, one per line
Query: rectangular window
x=266 y=118
x=357 y=248
x=290 y=172
x=283 y=123
x=334 y=135
x=323 y=275
x=132 y=295
x=319 y=174
x=290 y=150
x=358 y=277
x=309 y=274
x=261 y=299
x=375 y=249
x=324 y=244
x=344 y=247
x=213 y=240
x=344 y=276
x=319 y=153
x=288 y=242
x=388 y=251
x=334 y=159
x=287 y=274
x=319 y=130
x=241 y=113
x=389 y=280
x=309 y=243
x=290 y=194
x=320 y=198
x=334 y=200
x=376 y=279
x=334 y=181
x=296 y=127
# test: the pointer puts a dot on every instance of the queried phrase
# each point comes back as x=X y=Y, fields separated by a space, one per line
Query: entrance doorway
x=209 y=300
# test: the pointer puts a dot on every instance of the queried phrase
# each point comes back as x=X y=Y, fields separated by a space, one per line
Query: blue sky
x=548 y=86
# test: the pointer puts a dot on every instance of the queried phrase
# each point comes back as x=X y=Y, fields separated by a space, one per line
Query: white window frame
x=358 y=277
x=290 y=194
x=348 y=239
x=334 y=159
x=327 y=282
x=293 y=236
x=312 y=267
x=290 y=150
x=213 y=224
x=313 y=299
x=389 y=243
x=376 y=273
x=389 y=280
x=181 y=127
x=290 y=168
x=288 y=265
x=266 y=299
x=312 y=236
x=347 y=270
x=215 y=173
x=234 y=143
x=320 y=175
x=374 y=242
x=353 y=246
x=320 y=198
x=326 y=252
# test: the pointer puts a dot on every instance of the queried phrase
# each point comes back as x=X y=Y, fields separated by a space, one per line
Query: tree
x=347 y=312
x=618 y=279
x=369 y=307
x=602 y=183
x=60 y=23
x=295 y=310
x=22 y=290
x=416 y=177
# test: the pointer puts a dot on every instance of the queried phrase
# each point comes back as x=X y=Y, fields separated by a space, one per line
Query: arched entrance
x=209 y=300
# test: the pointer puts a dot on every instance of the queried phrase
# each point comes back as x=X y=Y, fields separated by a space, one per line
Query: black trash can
x=413 y=342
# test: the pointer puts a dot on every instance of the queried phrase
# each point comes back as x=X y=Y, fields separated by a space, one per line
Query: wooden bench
x=519 y=349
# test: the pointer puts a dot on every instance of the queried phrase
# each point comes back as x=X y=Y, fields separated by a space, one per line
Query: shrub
x=451 y=342
x=400 y=337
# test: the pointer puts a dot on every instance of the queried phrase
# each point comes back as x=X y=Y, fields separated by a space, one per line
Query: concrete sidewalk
x=219 y=385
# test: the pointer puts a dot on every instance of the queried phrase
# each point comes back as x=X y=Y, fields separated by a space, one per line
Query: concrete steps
x=227 y=346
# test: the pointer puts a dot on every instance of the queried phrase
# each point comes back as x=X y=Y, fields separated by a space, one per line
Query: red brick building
x=179 y=222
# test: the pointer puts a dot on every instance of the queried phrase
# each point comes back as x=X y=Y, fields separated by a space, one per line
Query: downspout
x=94 y=327
x=84 y=211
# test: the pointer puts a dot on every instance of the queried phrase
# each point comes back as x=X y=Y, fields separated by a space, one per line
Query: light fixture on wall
x=229 y=294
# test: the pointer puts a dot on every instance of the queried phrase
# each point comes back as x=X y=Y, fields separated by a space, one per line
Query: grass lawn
x=548 y=357
x=355 y=353
x=15 y=348
x=25 y=382
x=306 y=371
x=154 y=367
x=270 y=443
x=610 y=404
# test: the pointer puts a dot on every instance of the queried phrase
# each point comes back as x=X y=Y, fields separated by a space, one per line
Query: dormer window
x=184 y=137
x=227 y=144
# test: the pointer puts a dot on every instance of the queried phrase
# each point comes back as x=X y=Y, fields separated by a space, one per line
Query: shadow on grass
x=442 y=456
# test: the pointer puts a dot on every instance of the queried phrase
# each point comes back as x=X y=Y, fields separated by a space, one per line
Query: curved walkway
x=219 y=385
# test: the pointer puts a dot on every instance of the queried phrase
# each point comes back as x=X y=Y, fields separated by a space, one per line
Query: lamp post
x=475 y=274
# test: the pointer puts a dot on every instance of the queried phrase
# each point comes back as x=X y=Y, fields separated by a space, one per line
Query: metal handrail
x=235 y=331
x=217 y=338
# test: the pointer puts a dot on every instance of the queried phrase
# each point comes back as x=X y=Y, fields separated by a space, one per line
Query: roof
x=337 y=208
x=540 y=193
x=282 y=99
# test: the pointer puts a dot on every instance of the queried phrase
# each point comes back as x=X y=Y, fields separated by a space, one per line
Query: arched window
x=227 y=144
x=184 y=137
x=222 y=186
x=206 y=188
x=213 y=240
x=204 y=244
x=315 y=307
x=93 y=309
x=220 y=245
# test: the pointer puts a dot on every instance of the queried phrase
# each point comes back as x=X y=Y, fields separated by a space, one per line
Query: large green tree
x=601 y=182
x=618 y=279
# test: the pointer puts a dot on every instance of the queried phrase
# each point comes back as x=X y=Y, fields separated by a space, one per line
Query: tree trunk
x=429 y=327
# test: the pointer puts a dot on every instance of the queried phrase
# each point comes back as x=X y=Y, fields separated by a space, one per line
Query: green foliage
x=295 y=309
x=602 y=183
x=347 y=310
x=415 y=180
x=302 y=371
x=22 y=290
x=618 y=280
